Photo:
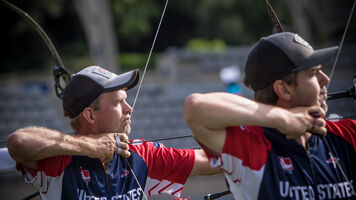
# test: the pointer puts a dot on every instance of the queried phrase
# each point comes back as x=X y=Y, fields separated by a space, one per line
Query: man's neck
x=84 y=130
x=303 y=139
x=105 y=165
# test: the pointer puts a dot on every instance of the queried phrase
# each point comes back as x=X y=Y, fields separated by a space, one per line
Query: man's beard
x=323 y=103
x=126 y=129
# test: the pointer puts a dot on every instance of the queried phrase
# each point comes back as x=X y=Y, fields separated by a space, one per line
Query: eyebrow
x=317 y=67
x=121 y=96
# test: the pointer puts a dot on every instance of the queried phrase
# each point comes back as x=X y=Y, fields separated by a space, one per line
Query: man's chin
x=126 y=130
x=323 y=103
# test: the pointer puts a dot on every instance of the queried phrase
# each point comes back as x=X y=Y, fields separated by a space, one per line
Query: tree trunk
x=96 y=20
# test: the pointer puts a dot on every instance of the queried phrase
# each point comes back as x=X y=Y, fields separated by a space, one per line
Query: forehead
x=313 y=68
x=117 y=94
x=310 y=69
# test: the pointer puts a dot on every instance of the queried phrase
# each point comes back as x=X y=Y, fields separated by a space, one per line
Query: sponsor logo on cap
x=301 y=41
x=102 y=72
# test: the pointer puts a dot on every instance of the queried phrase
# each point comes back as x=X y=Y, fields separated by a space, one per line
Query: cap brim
x=318 y=57
x=127 y=80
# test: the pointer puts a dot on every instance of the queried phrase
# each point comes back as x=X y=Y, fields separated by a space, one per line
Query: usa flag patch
x=85 y=174
x=286 y=164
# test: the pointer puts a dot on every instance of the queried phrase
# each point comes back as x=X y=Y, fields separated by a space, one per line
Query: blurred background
x=201 y=47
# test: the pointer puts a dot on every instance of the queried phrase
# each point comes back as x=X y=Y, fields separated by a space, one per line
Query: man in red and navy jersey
x=278 y=146
x=97 y=162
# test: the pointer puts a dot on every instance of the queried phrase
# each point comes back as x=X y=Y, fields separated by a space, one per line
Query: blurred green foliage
x=130 y=61
x=233 y=22
x=133 y=18
x=237 y=22
x=200 y=45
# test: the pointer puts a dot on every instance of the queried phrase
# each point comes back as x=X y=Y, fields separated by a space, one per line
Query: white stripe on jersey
x=48 y=186
x=241 y=179
x=154 y=186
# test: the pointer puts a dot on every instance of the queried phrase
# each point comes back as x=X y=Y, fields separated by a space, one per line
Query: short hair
x=76 y=122
x=267 y=94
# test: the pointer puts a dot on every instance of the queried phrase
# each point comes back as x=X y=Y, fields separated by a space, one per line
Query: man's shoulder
x=341 y=126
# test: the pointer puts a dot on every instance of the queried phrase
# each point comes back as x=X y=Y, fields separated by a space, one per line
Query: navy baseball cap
x=86 y=85
x=280 y=54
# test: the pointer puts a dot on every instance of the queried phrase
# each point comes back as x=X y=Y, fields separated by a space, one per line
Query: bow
x=60 y=74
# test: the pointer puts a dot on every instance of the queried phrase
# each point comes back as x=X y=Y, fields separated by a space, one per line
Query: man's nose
x=323 y=79
x=128 y=108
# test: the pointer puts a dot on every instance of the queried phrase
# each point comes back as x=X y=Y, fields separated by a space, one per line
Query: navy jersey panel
x=296 y=173
x=85 y=178
x=157 y=168
x=260 y=163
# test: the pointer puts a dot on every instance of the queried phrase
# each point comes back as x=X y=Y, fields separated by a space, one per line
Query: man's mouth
x=127 y=119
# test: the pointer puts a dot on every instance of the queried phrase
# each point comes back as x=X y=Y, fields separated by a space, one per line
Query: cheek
x=113 y=116
x=309 y=93
x=107 y=116
x=109 y=122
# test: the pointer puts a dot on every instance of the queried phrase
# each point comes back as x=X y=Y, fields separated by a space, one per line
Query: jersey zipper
x=107 y=182
x=310 y=162
x=106 y=178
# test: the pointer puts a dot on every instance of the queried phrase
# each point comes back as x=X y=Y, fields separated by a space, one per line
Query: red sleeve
x=245 y=143
x=345 y=128
x=53 y=166
x=170 y=164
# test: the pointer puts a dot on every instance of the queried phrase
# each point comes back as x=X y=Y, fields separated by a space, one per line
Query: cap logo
x=102 y=72
x=301 y=41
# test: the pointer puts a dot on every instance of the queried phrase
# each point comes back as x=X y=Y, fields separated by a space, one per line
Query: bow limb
x=38 y=28
x=276 y=22
x=59 y=70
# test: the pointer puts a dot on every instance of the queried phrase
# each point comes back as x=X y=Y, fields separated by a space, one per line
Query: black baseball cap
x=280 y=54
x=86 y=85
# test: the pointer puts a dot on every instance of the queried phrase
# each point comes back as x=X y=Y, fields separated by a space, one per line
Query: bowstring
x=140 y=84
x=330 y=77
x=341 y=43
x=149 y=55
x=134 y=175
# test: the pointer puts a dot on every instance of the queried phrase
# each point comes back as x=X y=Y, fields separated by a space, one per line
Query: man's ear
x=283 y=90
x=88 y=114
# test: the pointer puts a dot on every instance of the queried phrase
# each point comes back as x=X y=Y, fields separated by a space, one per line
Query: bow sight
x=345 y=94
x=61 y=78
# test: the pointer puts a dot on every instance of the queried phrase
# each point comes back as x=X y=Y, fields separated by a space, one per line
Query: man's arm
x=208 y=115
x=201 y=165
x=30 y=144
